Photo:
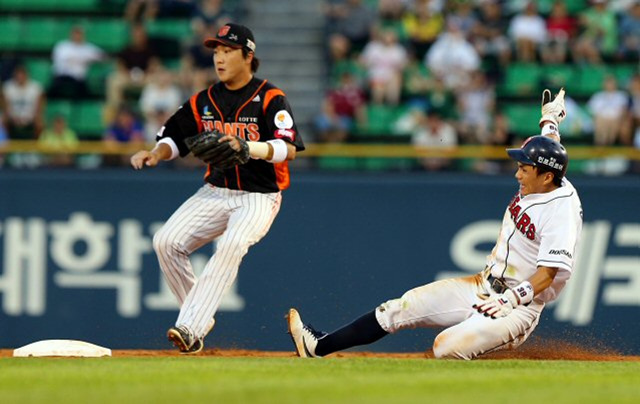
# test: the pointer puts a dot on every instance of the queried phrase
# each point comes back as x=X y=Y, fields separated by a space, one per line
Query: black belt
x=497 y=284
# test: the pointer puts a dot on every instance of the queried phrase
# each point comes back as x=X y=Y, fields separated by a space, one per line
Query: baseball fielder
x=499 y=307
x=246 y=117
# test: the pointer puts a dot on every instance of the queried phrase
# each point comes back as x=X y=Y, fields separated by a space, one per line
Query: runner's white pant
x=448 y=303
x=240 y=218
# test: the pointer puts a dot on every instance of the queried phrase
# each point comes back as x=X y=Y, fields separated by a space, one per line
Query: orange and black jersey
x=258 y=112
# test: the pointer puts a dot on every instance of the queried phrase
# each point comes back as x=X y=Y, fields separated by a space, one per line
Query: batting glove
x=503 y=304
x=553 y=111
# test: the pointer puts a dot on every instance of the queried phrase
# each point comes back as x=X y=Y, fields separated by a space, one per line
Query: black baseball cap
x=233 y=35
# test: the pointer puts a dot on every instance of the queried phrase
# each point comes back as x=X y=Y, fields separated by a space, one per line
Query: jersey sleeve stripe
x=194 y=110
x=271 y=94
x=554 y=264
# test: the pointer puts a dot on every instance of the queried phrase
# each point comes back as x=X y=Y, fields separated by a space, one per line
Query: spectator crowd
x=441 y=62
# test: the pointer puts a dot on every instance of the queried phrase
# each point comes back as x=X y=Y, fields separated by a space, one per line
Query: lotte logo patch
x=224 y=30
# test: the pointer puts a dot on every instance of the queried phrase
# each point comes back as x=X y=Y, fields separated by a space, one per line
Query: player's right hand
x=144 y=158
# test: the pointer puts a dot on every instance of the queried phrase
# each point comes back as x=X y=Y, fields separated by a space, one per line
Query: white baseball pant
x=448 y=303
x=239 y=218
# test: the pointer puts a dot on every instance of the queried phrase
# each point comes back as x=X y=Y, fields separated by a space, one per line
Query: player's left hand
x=498 y=306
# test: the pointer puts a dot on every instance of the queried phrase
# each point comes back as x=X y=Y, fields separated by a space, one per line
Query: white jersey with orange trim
x=539 y=230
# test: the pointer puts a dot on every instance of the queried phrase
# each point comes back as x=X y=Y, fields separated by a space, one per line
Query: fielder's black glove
x=207 y=147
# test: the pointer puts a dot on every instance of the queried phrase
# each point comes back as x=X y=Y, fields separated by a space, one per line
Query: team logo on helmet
x=223 y=31
x=551 y=162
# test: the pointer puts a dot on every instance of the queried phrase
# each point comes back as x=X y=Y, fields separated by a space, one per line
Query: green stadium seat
x=380 y=119
x=179 y=29
x=337 y=163
x=77 y=5
x=58 y=107
x=40 y=71
x=624 y=73
x=523 y=118
x=386 y=164
x=11 y=33
x=87 y=119
x=49 y=32
x=97 y=77
x=590 y=79
x=559 y=75
x=49 y=5
x=109 y=34
x=521 y=79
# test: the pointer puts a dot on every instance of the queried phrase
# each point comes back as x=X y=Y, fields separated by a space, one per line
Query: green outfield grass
x=184 y=380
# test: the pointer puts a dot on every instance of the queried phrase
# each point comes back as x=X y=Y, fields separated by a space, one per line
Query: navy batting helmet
x=543 y=152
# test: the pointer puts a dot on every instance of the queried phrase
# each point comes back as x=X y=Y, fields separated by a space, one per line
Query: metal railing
x=337 y=150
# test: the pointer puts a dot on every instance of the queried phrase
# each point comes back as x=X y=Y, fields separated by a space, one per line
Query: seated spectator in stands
x=475 y=106
x=196 y=65
x=416 y=83
x=60 y=138
x=561 y=28
x=578 y=121
x=342 y=107
x=159 y=96
x=463 y=16
x=452 y=58
x=126 y=129
x=390 y=14
x=351 y=18
x=385 y=60
x=4 y=139
x=489 y=35
x=433 y=132
x=608 y=108
x=440 y=98
x=528 y=31
x=209 y=13
x=500 y=134
x=599 y=35
x=141 y=10
x=71 y=61
x=422 y=27
x=133 y=66
x=630 y=33
x=23 y=103
x=631 y=130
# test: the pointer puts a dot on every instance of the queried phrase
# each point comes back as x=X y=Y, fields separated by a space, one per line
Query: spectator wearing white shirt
x=71 y=61
x=608 y=108
x=23 y=104
x=385 y=60
x=452 y=58
x=433 y=132
x=160 y=96
x=528 y=31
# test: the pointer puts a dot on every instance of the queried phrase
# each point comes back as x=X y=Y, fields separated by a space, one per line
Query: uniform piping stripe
x=506 y=259
x=210 y=95
x=269 y=95
x=250 y=98
x=194 y=109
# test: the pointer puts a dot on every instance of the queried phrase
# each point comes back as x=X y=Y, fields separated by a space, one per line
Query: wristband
x=523 y=292
x=280 y=150
x=550 y=129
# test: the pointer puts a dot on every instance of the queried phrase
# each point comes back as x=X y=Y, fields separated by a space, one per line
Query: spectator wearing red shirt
x=342 y=107
x=561 y=29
